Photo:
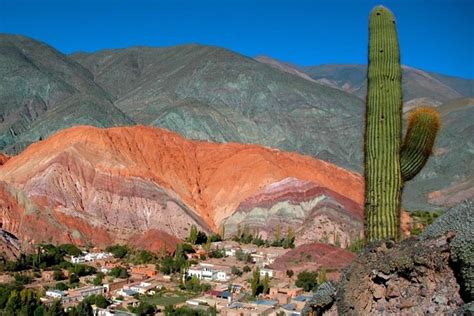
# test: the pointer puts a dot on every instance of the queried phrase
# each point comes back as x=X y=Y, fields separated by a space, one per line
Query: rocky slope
x=447 y=178
x=416 y=84
x=42 y=91
x=286 y=67
x=206 y=92
x=86 y=184
x=9 y=246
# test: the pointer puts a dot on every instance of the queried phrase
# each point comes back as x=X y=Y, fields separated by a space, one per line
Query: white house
x=206 y=271
x=89 y=257
x=195 y=272
x=55 y=294
x=266 y=271
x=145 y=288
x=222 y=276
x=229 y=252
x=126 y=292
x=79 y=259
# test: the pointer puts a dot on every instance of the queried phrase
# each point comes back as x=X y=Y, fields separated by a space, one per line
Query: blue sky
x=435 y=35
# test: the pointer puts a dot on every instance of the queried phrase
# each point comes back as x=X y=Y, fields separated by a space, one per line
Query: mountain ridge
x=129 y=180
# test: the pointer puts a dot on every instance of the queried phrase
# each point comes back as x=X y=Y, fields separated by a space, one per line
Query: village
x=231 y=277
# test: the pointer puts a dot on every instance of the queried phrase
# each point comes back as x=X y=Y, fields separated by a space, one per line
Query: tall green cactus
x=385 y=166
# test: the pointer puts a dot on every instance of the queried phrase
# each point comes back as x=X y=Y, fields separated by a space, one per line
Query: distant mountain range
x=210 y=93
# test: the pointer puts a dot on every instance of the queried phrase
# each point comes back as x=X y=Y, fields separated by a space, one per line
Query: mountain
x=416 y=83
x=123 y=184
x=42 y=91
x=448 y=177
x=210 y=93
x=454 y=156
x=286 y=67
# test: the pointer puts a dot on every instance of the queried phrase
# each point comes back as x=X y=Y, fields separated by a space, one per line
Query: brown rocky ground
x=313 y=257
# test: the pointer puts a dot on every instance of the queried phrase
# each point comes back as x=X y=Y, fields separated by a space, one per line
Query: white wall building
x=265 y=271
x=209 y=272
x=55 y=294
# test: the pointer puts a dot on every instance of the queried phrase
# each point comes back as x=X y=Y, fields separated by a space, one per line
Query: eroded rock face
x=311 y=209
x=86 y=184
x=9 y=246
x=412 y=278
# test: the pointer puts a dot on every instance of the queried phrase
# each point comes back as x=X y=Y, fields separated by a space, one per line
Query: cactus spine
x=384 y=163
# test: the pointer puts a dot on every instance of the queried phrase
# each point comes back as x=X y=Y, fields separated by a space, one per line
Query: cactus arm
x=383 y=129
x=423 y=125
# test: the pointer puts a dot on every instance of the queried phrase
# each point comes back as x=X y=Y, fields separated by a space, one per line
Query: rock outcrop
x=86 y=184
x=414 y=277
x=459 y=221
x=432 y=274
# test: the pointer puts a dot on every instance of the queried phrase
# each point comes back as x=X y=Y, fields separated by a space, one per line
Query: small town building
x=115 y=285
x=266 y=271
x=142 y=272
x=56 y=294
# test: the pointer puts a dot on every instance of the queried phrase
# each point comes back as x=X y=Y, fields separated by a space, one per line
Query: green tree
x=73 y=278
x=236 y=271
x=118 y=251
x=289 y=241
x=13 y=303
x=255 y=282
x=193 y=284
x=99 y=277
x=307 y=280
x=290 y=273
x=70 y=249
x=56 y=309
x=144 y=309
x=29 y=302
x=39 y=311
x=119 y=272
x=84 y=308
x=58 y=275
x=61 y=286
x=266 y=284
x=193 y=234
x=223 y=232
x=322 y=276
x=101 y=301
x=167 y=265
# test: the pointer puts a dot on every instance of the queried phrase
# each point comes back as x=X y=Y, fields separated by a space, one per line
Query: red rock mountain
x=130 y=184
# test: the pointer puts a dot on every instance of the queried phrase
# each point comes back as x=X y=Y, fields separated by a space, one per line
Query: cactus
x=386 y=167
x=423 y=125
